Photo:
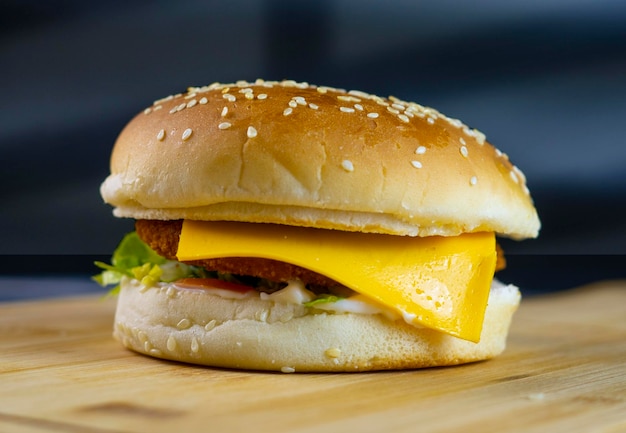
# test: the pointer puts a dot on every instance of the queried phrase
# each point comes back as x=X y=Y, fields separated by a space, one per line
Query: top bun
x=298 y=154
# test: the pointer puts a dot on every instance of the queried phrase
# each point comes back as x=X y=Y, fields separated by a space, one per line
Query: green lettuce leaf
x=134 y=258
x=323 y=299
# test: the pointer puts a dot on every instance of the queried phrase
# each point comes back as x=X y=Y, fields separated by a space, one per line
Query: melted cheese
x=438 y=282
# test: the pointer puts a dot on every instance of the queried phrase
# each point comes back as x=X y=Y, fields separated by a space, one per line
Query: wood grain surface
x=563 y=371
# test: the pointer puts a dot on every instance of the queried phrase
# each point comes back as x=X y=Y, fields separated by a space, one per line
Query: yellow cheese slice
x=438 y=282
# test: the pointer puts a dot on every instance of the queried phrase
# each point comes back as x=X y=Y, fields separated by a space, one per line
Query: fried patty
x=163 y=236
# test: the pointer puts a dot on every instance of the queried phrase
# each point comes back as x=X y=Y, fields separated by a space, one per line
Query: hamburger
x=291 y=227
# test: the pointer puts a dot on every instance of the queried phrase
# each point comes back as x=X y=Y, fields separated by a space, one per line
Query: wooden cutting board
x=564 y=371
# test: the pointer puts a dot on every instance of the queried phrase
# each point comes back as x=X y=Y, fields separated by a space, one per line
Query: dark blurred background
x=544 y=80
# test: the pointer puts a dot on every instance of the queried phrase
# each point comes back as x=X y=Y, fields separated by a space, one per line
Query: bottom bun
x=200 y=327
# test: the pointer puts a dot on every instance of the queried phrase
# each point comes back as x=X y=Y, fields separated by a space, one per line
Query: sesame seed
x=183 y=324
x=348 y=98
x=358 y=107
x=229 y=97
x=404 y=118
x=480 y=137
x=251 y=132
x=224 y=125
x=414 y=108
x=158 y=107
x=313 y=106
x=171 y=343
x=209 y=326
x=173 y=110
x=347 y=109
x=416 y=164
x=513 y=176
x=203 y=100
x=456 y=123
x=161 y=135
x=322 y=90
x=473 y=180
x=191 y=103
x=147 y=110
x=463 y=151
x=262 y=96
x=187 y=134
x=347 y=165
x=246 y=90
x=181 y=107
x=462 y=141
x=287 y=369
x=190 y=95
x=420 y=150
x=287 y=111
x=160 y=101
x=293 y=104
x=398 y=106
x=332 y=352
x=372 y=115
x=430 y=120
x=359 y=94
x=300 y=100
x=393 y=110
x=519 y=173
x=249 y=95
x=224 y=111
x=195 y=346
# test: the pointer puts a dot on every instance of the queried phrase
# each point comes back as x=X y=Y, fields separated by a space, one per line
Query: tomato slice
x=212 y=283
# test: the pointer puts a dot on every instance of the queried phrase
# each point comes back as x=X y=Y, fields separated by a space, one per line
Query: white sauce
x=296 y=293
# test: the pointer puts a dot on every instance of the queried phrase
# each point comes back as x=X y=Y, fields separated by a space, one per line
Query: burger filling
x=442 y=283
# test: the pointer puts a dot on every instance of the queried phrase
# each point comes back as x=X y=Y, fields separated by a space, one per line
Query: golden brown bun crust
x=200 y=328
x=297 y=154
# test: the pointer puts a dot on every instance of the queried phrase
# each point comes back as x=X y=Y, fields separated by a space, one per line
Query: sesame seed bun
x=292 y=153
x=197 y=327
